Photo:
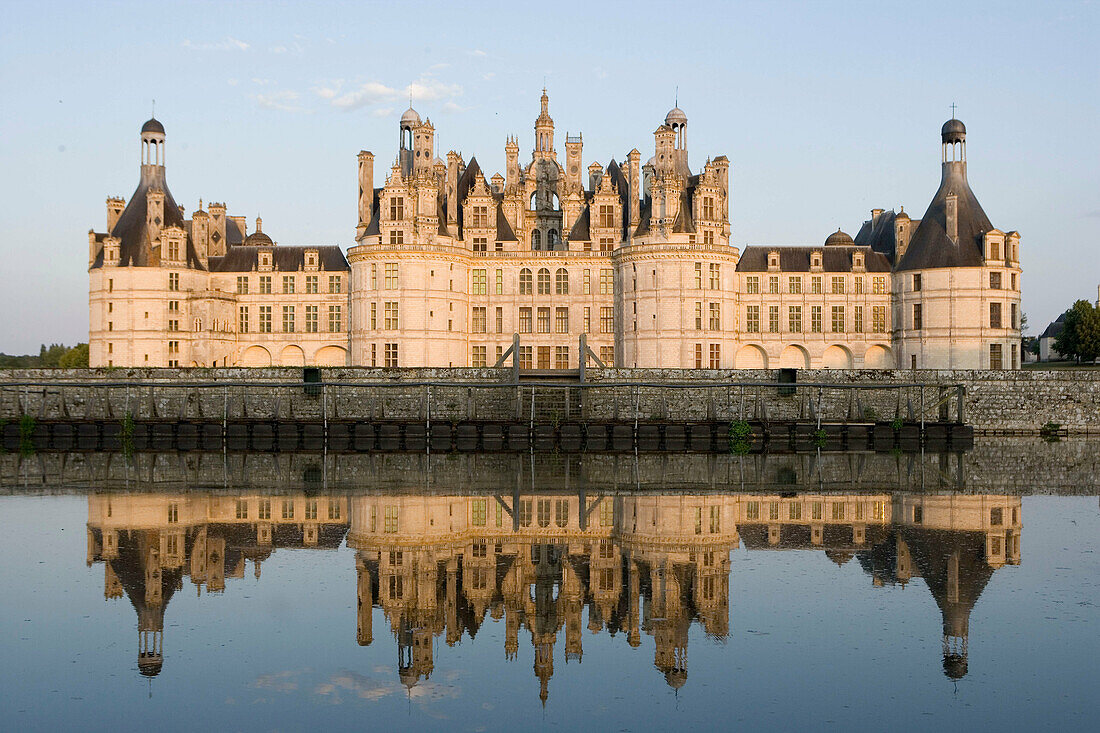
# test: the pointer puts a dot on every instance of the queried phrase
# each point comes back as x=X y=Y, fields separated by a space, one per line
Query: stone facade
x=448 y=264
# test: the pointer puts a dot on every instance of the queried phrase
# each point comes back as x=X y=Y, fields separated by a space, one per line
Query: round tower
x=152 y=143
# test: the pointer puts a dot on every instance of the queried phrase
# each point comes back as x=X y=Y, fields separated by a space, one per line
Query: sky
x=825 y=110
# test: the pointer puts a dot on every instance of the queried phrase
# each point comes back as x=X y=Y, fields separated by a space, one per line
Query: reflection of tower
x=414 y=653
x=364 y=620
x=670 y=625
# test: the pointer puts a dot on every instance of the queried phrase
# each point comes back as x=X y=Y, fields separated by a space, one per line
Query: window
x=264 y=509
x=561 y=320
x=500 y=282
x=288 y=284
x=479 y=217
x=173 y=325
x=587 y=320
x=995 y=250
x=773 y=319
x=607 y=319
x=918 y=316
x=391 y=518
x=715 y=519
x=336 y=282
x=815 y=260
x=794 y=285
x=478 y=357
x=390 y=323
x=391 y=355
x=561 y=281
x=815 y=319
x=525 y=282
x=265 y=284
x=481 y=244
x=606 y=244
x=479 y=282
x=838 y=319
x=698 y=275
x=242 y=509
x=1015 y=361
x=288 y=509
x=173 y=281
x=715 y=316
x=561 y=357
x=525 y=357
x=311 y=509
x=857 y=318
x=334 y=509
x=477 y=512
x=838 y=285
x=607 y=216
x=708 y=207
x=242 y=285
x=995 y=358
x=586 y=282
x=173 y=513
x=857 y=283
x=525 y=320
x=311 y=285
x=335 y=318
x=752 y=319
x=698 y=316
x=397 y=208
x=374 y=277
x=1013 y=313
x=543 y=320
x=288 y=319
x=242 y=319
x=500 y=320
x=536 y=239
x=773 y=284
x=607 y=356
x=311 y=319
x=815 y=284
x=715 y=356
x=752 y=510
x=916 y=282
x=996 y=517
x=995 y=315
x=607 y=282
x=752 y=284
x=390 y=281
x=794 y=510
x=994 y=281
x=544 y=281
x=478 y=321
x=1013 y=281
x=878 y=319
x=816 y=511
x=773 y=260
x=544 y=357
x=794 y=319
x=878 y=285
x=715 y=277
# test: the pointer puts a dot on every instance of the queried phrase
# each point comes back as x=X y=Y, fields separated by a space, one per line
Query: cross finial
x=952 y=110
x=677 y=104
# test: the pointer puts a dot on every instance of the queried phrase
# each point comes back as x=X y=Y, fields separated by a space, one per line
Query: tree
x=75 y=358
x=1080 y=336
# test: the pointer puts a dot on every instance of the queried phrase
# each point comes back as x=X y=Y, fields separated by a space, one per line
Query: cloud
x=441 y=65
x=371 y=93
x=262 y=82
x=279 y=49
x=284 y=101
x=478 y=52
x=383 y=112
x=278 y=681
x=228 y=44
x=453 y=107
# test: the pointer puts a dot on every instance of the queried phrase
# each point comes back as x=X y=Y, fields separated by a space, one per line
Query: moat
x=591 y=592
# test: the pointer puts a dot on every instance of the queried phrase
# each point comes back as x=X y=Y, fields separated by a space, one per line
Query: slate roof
x=504 y=229
x=1055 y=327
x=930 y=247
x=284 y=259
x=881 y=235
x=835 y=258
x=581 y=231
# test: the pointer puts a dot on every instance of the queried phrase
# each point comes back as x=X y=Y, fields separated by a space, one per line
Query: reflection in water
x=652 y=564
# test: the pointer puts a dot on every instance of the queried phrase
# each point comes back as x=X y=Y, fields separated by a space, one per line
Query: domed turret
x=838 y=238
x=411 y=118
x=153 y=125
x=676 y=116
x=953 y=131
x=258 y=238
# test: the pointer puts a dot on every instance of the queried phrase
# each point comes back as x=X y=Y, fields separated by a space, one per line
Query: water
x=404 y=607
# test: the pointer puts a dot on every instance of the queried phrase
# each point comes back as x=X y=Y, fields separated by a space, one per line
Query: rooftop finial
x=677 y=104
x=952 y=110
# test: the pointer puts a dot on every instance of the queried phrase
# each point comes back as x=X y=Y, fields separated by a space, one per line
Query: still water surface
x=631 y=611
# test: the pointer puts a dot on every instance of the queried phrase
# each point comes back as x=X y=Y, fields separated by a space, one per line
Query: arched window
x=551 y=238
x=544 y=281
x=561 y=281
x=536 y=239
x=525 y=281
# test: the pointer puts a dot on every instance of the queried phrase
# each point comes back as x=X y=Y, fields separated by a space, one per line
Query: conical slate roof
x=930 y=247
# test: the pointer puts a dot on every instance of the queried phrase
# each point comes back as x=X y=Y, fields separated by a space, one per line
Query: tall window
x=480 y=282
x=1013 y=320
x=479 y=319
x=752 y=284
x=173 y=281
x=715 y=277
x=878 y=319
x=265 y=319
x=995 y=315
x=995 y=358
x=878 y=285
x=525 y=282
x=607 y=319
x=391 y=355
x=607 y=282
x=500 y=282
x=752 y=319
x=525 y=320
x=838 y=319
x=544 y=320
x=838 y=286
x=773 y=318
x=918 y=316
x=698 y=275
x=587 y=320
x=242 y=319
x=708 y=207
x=794 y=318
x=242 y=285
x=311 y=319
x=815 y=284
x=995 y=281
x=607 y=216
x=773 y=284
x=397 y=208
x=715 y=316
x=311 y=285
x=561 y=357
x=815 y=319
x=335 y=284
x=544 y=281
x=715 y=356
x=265 y=284
x=391 y=280
x=857 y=284
x=288 y=319
x=698 y=316
x=479 y=218
x=288 y=284
x=794 y=285
x=390 y=309
x=561 y=320
x=500 y=320
x=478 y=357
x=335 y=319
x=917 y=282
x=525 y=360
x=857 y=318
x=561 y=281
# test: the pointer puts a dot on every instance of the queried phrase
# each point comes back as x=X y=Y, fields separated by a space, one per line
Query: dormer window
x=773 y=260
x=857 y=261
x=311 y=258
x=815 y=260
x=265 y=260
x=995 y=250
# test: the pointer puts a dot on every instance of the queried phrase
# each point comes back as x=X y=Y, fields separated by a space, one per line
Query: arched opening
x=836 y=357
x=292 y=356
x=794 y=357
x=331 y=356
x=544 y=281
x=256 y=356
x=551 y=238
x=536 y=239
x=751 y=357
x=878 y=357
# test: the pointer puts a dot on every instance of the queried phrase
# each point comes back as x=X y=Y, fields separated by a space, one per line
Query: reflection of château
x=148 y=543
x=436 y=565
